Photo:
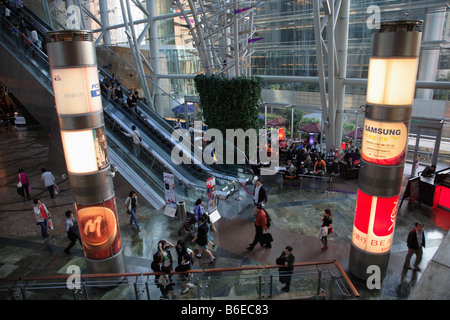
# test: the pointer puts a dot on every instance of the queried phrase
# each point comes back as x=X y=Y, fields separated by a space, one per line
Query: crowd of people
x=112 y=89
x=24 y=31
x=163 y=262
x=303 y=158
x=202 y=238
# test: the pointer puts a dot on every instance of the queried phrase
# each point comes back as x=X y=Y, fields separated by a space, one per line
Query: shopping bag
x=50 y=223
x=56 y=188
x=323 y=232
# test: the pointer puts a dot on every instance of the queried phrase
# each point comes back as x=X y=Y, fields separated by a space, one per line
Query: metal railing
x=312 y=280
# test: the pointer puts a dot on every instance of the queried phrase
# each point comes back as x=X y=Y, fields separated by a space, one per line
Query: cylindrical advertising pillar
x=73 y=67
x=391 y=83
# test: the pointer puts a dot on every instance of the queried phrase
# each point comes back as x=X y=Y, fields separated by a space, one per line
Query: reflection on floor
x=295 y=213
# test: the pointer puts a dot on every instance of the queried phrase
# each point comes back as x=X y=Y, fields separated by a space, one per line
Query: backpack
x=269 y=220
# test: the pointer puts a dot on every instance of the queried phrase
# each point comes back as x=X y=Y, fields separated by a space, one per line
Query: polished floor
x=295 y=213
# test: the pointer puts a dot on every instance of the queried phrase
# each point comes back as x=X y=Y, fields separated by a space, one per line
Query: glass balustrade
x=316 y=280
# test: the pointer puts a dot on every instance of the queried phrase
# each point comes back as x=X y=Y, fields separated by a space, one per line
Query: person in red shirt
x=260 y=226
x=23 y=178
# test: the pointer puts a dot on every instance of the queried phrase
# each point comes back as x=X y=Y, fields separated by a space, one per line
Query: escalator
x=146 y=115
x=25 y=71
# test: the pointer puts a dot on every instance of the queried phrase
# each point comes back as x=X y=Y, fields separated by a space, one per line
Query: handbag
x=268 y=238
x=280 y=260
x=19 y=184
x=128 y=211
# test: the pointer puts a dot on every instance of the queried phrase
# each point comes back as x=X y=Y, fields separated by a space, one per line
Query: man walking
x=259 y=193
x=260 y=228
x=72 y=230
x=415 y=242
x=49 y=181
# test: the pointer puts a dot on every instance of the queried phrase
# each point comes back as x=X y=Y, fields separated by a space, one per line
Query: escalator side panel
x=38 y=101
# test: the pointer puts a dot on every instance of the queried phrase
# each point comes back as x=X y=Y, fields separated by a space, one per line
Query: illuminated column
x=73 y=67
x=390 y=93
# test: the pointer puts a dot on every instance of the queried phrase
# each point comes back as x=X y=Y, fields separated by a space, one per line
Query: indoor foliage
x=229 y=103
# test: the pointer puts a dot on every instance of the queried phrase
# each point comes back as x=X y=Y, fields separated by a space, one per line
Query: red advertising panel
x=374 y=222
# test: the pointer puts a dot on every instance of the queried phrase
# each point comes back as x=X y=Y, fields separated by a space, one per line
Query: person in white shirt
x=35 y=38
x=136 y=135
x=8 y=14
x=72 y=230
x=49 y=181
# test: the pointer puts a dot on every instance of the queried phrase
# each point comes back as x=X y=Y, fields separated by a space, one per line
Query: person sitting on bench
x=429 y=171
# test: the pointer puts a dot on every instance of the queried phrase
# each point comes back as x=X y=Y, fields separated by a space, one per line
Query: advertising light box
x=374 y=222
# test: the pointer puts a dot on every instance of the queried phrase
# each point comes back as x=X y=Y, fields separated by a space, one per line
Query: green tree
x=298 y=115
x=348 y=126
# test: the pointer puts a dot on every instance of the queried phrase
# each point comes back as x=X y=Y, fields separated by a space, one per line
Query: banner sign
x=169 y=194
x=212 y=197
x=169 y=190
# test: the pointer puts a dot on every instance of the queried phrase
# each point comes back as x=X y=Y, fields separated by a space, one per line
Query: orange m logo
x=93 y=226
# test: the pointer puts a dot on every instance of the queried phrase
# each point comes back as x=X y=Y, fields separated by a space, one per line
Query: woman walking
x=202 y=239
x=132 y=203
x=41 y=214
x=198 y=209
x=24 y=183
x=328 y=224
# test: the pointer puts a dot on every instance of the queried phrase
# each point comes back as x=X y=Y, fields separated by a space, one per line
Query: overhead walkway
x=25 y=71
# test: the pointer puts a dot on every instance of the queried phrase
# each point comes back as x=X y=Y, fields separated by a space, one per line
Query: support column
x=105 y=22
x=73 y=67
x=331 y=137
x=321 y=74
x=155 y=61
x=429 y=59
x=390 y=93
x=341 y=46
